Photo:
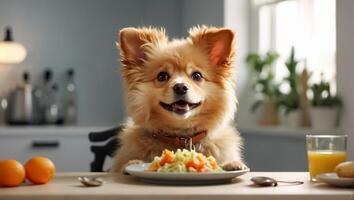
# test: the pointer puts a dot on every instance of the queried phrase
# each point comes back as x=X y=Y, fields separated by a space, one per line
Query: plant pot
x=293 y=119
x=324 y=118
x=269 y=114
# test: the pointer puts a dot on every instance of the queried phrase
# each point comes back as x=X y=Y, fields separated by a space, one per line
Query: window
x=309 y=26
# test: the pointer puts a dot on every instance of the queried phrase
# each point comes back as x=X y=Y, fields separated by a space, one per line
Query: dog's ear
x=217 y=43
x=133 y=42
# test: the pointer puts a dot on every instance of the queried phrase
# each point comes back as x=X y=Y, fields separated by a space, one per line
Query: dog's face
x=180 y=84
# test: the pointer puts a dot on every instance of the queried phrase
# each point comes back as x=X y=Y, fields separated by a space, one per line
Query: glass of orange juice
x=325 y=152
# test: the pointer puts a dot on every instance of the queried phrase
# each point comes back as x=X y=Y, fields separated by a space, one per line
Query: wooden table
x=66 y=186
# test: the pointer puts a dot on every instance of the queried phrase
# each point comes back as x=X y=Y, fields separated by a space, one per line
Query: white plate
x=188 y=178
x=333 y=179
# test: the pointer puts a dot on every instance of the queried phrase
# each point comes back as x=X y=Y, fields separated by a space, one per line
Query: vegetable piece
x=167 y=157
x=213 y=163
x=201 y=158
x=203 y=169
x=154 y=167
x=195 y=163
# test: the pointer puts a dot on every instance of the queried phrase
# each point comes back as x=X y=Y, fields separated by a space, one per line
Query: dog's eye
x=197 y=76
x=163 y=76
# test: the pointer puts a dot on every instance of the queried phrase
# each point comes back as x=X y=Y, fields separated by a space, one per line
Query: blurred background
x=60 y=72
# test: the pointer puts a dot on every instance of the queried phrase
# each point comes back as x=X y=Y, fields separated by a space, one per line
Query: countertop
x=66 y=186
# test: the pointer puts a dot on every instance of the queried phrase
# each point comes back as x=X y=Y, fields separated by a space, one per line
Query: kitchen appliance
x=20 y=104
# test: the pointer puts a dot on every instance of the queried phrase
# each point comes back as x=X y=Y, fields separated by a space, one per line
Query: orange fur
x=147 y=51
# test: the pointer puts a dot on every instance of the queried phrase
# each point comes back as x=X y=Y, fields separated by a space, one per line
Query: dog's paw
x=131 y=162
x=235 y=165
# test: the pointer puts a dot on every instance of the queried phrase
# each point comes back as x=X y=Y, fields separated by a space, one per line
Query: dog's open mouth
x=180 y=107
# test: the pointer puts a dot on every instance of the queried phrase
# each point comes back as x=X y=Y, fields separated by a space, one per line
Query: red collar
x=179 y=141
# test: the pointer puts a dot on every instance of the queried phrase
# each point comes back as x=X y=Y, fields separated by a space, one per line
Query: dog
x=178 y=93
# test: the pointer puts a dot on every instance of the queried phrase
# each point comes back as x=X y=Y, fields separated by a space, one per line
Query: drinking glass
x=325 y=152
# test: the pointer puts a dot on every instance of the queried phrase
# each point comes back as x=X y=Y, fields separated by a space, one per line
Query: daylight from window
x=309 y=26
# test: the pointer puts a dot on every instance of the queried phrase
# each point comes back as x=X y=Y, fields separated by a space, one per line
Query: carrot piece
x=168 y=157
x=191 y=169
x=191 y=163
x=203 y=169
x=195 y=163
x=153 y=167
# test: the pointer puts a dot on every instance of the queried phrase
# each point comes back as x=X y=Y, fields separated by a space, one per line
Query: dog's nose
x=180 y=89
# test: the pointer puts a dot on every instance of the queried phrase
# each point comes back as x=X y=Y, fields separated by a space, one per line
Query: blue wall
x=82 y=34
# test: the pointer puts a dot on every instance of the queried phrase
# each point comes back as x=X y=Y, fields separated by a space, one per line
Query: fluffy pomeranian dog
x=178 y=92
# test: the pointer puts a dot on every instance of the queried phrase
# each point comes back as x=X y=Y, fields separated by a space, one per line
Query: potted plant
x=265 y=87
x=325 y=107
x=290 y=101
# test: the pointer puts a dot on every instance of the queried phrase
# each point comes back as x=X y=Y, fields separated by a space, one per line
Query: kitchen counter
x=48 y=130
x=284 y=131
x=62 y=144
x=66 y=186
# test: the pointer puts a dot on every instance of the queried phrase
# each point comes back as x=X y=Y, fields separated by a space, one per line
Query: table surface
x=66 y=186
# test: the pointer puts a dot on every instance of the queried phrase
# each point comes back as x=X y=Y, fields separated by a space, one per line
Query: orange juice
x=324 y=161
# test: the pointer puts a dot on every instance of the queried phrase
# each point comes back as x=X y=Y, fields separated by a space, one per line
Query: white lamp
x=11 y=52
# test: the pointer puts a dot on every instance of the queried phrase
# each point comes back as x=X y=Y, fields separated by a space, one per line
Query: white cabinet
x=67 y=147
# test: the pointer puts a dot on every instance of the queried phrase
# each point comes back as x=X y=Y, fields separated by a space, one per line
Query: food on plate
x=12 y=173
x=39 y=170
x=183 y=161
x=345 y=169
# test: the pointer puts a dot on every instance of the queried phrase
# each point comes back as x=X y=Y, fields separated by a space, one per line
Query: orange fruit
x=39 y=170
x=12 y=173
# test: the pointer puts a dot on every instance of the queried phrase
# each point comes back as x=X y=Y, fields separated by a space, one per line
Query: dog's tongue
x=181 y=106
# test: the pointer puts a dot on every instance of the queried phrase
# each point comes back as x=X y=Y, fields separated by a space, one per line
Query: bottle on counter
x=53 y=108
x=70 y=99
x=38 y=104
x=3 y=107
x=44 y=95
x=38 y=117
x=50 y=103
x=28 y=97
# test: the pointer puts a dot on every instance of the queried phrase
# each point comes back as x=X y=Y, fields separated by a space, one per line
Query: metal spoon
x=91 y=181
x=267 y=181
